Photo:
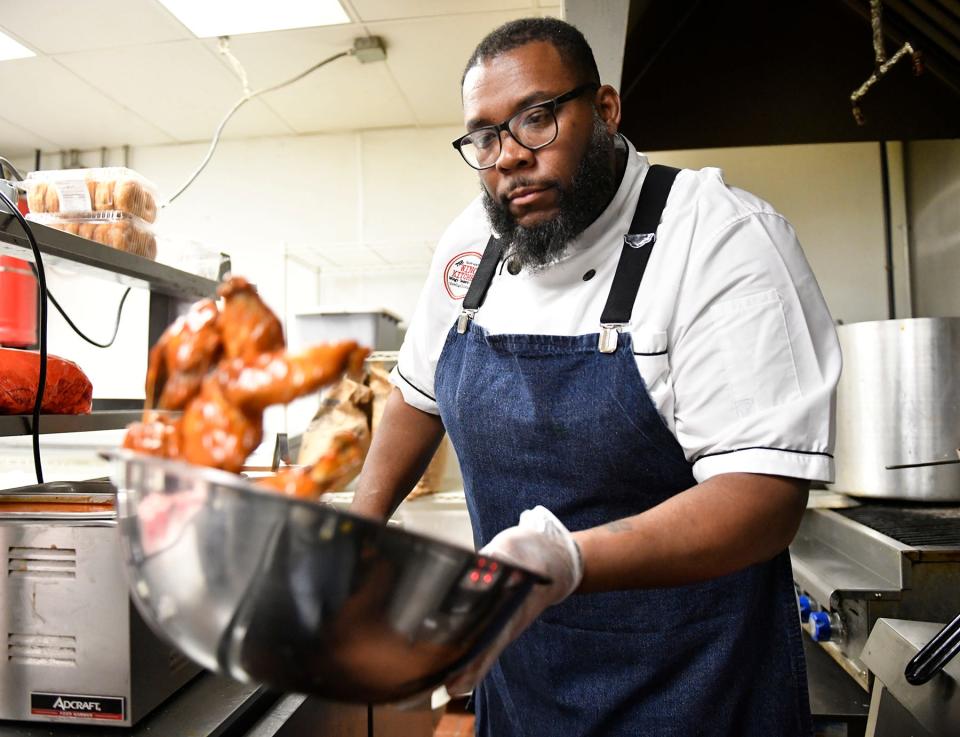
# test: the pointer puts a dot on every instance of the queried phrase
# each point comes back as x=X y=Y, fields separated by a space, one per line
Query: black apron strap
x=637 y=247
x=481 y=282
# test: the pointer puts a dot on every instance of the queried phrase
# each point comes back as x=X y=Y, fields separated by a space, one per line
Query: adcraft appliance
x=75 y=651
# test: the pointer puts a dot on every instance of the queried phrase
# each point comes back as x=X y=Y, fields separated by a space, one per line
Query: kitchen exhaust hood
x=699 y=73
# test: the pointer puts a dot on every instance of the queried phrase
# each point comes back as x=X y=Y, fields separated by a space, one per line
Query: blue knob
x=820 y=631
x=805 y=608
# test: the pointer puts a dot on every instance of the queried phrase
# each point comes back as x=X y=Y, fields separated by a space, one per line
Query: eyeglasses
x=533 y=128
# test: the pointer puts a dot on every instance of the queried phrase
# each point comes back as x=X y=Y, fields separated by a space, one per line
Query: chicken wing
x=185 y=353
x=339 y=464
x=223 y=367
x=280 y=377
x=248 y=327
x=215 y=432
x=156 y=434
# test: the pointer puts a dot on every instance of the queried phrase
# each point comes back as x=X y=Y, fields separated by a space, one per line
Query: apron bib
x=566 y=422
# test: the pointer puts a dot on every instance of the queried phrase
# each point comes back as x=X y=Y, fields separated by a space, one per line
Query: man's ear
x=607 y=103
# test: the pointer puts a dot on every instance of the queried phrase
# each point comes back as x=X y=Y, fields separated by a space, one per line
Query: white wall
x=832 y=196
x=604 y=25
x=933 y=182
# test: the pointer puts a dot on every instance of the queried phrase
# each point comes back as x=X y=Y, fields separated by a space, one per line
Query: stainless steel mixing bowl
x=300 y=596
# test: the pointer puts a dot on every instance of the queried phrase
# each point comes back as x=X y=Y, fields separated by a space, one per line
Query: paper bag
x=432 y=479
x=345 y=406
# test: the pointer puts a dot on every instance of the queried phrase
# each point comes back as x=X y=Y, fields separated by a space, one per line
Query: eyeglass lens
x=533 y=128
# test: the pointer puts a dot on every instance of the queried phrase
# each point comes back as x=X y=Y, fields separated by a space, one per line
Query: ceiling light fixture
x=10 y=49
x=232 y=17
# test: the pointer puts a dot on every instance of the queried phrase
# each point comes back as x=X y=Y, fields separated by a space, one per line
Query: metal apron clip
x=639 y=240
x=609 y=335
x=464 y=320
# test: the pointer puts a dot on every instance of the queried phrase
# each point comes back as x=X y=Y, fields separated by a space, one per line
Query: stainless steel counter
x=207 y=706
x=934 y=706
x=212 y=706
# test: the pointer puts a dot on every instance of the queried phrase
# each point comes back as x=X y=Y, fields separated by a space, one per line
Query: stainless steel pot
x=898 y=410
x=300 y=596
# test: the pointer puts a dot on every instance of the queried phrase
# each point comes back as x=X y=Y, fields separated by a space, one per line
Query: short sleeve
x=451 y=271
x=755 y=358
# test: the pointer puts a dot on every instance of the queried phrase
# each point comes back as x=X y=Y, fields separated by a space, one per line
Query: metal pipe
x=887 y=231
x=907 y=227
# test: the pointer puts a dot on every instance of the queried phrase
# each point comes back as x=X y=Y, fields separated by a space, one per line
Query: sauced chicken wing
x=217 y=432
x=223 y=367
x=342 y=460
x=156 y=434
x=182 y=357
x=247 y=325
x=280 y=377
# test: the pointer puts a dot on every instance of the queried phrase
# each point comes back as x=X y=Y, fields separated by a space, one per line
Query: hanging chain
x=881 y=63
x=876 y=23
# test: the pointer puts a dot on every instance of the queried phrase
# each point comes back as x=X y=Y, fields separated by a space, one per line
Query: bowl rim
x=243 y=486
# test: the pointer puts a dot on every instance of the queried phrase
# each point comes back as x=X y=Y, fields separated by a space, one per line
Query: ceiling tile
x=179 y=86
x=344 y=100
x=16 y=141
x=46 y=99
x=344 y=95
x=434 y=89
x=58 y=26
x=271 y=58
x=373 y=10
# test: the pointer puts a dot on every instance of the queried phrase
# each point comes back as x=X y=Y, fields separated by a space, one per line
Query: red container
x=18 y=303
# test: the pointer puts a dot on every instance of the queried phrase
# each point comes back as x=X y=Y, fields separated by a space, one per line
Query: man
x=668 y=405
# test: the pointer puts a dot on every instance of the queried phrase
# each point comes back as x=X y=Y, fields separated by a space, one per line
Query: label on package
x=76 y=706
x=74 y=195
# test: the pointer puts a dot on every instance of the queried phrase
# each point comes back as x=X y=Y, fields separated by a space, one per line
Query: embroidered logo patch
x=459 y=273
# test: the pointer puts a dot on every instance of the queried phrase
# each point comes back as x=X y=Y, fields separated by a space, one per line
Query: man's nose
x=512 y=154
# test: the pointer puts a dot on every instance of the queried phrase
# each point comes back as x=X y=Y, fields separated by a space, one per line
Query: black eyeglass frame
x=552 y=103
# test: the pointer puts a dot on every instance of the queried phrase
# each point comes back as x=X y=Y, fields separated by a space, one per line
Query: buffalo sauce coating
x=223 y=366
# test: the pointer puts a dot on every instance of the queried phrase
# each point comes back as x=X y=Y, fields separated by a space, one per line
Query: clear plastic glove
x=539 y=543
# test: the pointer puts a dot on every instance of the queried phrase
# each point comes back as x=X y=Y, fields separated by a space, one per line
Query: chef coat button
x=589 y=275
x=513 y=266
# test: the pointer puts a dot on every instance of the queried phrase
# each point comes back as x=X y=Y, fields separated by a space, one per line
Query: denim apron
x=567 y=422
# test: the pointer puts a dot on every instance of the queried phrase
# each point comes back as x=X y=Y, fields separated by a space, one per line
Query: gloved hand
x=541 y=544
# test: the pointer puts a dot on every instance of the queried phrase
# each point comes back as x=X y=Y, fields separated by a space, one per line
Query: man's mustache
x=524 y=182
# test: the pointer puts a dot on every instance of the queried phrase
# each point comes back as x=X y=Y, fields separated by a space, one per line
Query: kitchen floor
x=456 y=722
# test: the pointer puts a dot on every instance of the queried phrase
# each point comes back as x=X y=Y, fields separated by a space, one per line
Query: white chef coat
x=731 y=334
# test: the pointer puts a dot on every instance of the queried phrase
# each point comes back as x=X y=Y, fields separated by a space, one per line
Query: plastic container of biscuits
x=112 y=228
x=75 y=191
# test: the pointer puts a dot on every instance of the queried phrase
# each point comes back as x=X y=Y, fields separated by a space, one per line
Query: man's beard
x=590 y=191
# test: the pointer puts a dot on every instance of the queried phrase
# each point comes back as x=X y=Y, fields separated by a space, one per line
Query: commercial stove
x=857 y=565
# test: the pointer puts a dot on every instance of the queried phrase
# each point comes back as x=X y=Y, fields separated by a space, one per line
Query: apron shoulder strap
x=482 y=279
x=637 y=247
